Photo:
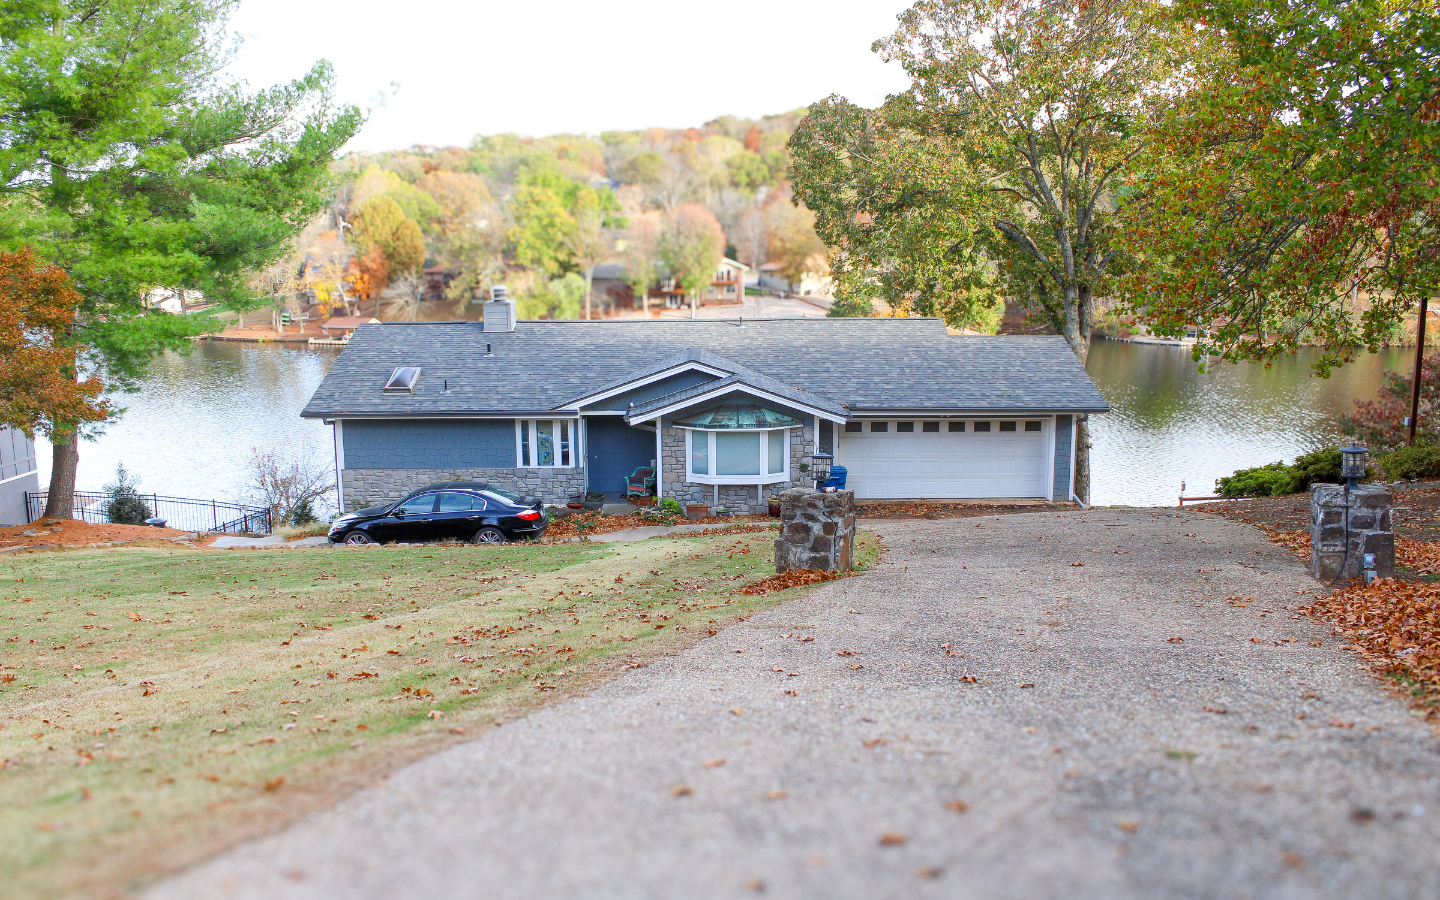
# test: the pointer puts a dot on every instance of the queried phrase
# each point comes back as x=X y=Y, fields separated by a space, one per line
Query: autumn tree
x=691 y=246
x=1380 y=423
x=996 y=174
x=1290 y=189
x=641 y=253
x=791 y=241
x=129 y=163
x=41 y=385
x=380 y=223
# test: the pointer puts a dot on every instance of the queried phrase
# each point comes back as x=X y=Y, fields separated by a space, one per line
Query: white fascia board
x=641 y=382
x=754 y=392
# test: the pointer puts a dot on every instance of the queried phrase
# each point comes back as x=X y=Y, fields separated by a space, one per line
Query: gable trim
x=574 y=405
x=755 y=392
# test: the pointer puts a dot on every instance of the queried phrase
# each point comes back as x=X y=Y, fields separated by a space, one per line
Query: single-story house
x=18 y=475
x=727 y=411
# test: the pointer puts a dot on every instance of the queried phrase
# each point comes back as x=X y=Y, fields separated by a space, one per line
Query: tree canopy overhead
x=126 y=160
x=1290 y=193
x=997 y=173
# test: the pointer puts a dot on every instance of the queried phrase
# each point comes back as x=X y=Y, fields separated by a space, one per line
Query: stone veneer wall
x=372 y=487
x=1370 y=529
x=817 y=530
x=745 y=499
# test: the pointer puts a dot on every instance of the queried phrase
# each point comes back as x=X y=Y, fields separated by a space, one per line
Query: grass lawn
x=158 y=704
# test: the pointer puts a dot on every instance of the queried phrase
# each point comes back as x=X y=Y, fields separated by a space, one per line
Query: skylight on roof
x=403 y=379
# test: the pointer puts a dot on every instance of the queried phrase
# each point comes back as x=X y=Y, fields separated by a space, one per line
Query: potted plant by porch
x=774 y=507
x=594 y=500
x=697 y=511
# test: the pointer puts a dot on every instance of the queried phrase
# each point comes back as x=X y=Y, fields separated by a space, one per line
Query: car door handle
x=472 y=518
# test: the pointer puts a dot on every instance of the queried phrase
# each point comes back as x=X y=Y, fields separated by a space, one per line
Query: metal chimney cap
x=499 y=293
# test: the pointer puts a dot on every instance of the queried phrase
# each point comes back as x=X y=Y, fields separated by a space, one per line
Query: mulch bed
x=596 y=522
x=75 y=533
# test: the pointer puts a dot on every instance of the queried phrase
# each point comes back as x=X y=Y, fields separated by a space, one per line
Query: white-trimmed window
x=737 y=456
x=545 y=443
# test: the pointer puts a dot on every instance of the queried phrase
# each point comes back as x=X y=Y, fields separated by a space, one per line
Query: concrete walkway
x=980 y=717
x=648 y=531
x=231 y=542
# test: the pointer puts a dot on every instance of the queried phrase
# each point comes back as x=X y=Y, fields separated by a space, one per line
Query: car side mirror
x=398 y=512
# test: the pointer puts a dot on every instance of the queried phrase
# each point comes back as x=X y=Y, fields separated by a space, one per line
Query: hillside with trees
x=423 y=233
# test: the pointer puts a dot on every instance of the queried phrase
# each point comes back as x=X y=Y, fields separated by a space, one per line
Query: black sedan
x=454 y=510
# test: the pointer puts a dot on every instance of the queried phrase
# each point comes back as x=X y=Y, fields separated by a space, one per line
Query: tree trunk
x=692 y=304
x=60 y=501
x=1078 y=313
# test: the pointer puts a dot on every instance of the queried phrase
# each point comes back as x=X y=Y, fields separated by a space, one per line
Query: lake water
x=189 y=431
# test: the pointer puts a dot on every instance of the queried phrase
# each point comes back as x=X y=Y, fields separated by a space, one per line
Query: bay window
x=545 y=443
x=738 y=457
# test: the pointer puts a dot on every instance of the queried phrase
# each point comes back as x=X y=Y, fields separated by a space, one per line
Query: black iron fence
x=178 y=512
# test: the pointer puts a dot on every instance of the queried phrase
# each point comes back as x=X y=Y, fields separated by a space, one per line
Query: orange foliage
x=368 y=274
x=39 y=383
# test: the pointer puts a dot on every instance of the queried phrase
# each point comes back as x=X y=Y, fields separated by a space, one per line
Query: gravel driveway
x=1092 y=754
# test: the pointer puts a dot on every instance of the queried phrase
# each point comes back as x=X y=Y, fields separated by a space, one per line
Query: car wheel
x=358 y=538
x=489 y=535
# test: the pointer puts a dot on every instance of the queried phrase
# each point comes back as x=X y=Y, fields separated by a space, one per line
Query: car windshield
x=499 y=494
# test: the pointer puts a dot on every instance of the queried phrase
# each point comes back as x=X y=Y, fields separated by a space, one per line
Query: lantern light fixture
x=820 y=468
x=1353 y=461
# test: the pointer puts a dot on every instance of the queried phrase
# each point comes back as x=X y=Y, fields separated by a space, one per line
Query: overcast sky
x=467 y=68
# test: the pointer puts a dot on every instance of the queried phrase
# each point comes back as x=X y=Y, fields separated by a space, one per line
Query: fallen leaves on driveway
x=792 y=578
x=1395 y=625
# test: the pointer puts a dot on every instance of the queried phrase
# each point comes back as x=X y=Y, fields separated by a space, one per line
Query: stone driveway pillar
x=1371 y=530
x=817 y=530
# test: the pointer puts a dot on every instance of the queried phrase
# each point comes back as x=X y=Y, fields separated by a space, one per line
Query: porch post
x=659 y=461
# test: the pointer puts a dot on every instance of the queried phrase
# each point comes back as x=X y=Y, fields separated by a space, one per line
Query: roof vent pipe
x=499 y=310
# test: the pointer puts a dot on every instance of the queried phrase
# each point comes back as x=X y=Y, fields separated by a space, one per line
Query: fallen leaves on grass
x=1421 y=556
x=1395 y=625
x=892 y=839
x=792 y=578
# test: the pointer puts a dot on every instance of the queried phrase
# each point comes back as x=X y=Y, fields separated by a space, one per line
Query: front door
x=613 y=450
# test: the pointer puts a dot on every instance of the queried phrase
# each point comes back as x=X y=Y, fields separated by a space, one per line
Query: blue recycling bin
x=837 y=478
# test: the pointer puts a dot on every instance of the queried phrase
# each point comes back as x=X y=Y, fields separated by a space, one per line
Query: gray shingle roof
x=743 y=379
x=868 y=365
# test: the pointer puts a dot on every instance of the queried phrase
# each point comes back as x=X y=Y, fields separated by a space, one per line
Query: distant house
x=343 y=326
x=17 y=475
x=175 y=302
x=727 y=286
x=810 y=284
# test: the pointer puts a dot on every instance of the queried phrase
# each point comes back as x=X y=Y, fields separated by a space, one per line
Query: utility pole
x=1419 y=365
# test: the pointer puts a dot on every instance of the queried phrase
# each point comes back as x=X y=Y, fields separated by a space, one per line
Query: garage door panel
x=948 y=465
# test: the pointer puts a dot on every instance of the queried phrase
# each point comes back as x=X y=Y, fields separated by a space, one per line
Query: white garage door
x=945 y=460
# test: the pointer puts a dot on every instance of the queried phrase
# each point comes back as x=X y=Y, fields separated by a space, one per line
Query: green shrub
x=1261 y=481
x=1420 y=460
x=302 y=514
x=670 y=505
x=1320 y=467
x=125 y=506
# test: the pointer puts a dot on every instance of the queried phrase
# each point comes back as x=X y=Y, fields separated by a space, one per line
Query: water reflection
x=1170 y=423
x=189 y=431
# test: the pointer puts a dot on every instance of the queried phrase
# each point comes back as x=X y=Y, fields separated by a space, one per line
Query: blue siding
x=430 y=444
x=655 y=389
x=1064 y=431
x=612 y=451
